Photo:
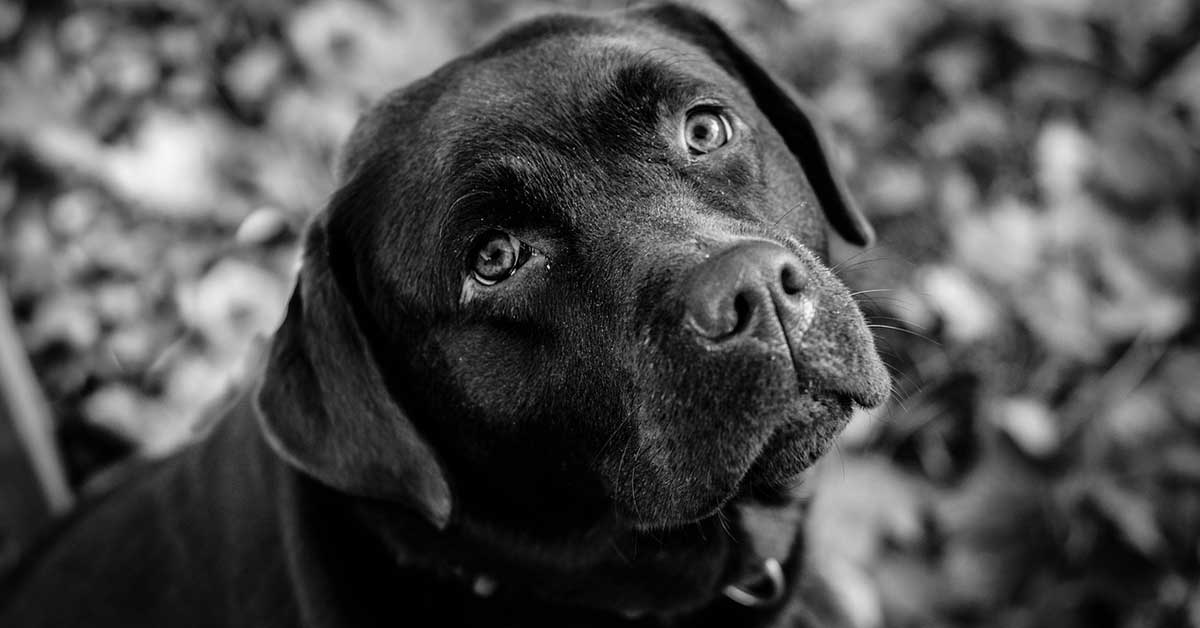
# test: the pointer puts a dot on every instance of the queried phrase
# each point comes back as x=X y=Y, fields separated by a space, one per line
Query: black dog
x=559 y=346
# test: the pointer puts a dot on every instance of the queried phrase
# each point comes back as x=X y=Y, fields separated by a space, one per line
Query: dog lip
x=858 y=396
x=757 y=484
x=776 y=490
x=841 y=394
x=676 y=523
x=749 y=489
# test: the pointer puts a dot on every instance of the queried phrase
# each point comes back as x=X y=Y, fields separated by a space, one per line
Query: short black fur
x=569 y=446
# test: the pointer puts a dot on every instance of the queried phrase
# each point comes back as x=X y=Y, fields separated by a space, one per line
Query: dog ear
x=323 y=404
x=789 y=114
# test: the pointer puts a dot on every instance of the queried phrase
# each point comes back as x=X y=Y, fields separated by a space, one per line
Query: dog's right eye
x=705 y=130
x=497 y=256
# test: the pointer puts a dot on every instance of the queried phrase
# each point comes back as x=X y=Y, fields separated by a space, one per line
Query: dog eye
x=705 y=131
x=497 y=256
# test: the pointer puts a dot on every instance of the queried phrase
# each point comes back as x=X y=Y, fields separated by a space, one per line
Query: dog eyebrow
x=506 y=190
x=652 y=79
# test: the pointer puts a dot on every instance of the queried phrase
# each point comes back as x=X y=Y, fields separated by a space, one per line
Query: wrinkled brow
x=658 y=81
x=505 y=191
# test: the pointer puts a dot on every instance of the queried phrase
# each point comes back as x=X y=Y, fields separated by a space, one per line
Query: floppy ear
x=789 y=114
x=324 y=405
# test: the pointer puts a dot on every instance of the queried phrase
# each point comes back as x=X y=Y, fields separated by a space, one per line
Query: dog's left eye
x=705 y=130
x=497 y=256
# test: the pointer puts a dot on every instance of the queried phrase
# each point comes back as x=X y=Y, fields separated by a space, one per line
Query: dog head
x=575 y=276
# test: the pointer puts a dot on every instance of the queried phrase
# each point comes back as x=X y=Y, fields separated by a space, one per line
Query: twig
x=30 y=415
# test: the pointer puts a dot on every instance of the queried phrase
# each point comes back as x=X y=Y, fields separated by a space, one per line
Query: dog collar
x=762 y=587
x=762 y=583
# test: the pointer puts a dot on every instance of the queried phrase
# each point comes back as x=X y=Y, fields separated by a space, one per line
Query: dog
x=562 y=345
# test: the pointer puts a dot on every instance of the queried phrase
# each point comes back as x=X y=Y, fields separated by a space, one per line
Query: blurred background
x=1030 y=166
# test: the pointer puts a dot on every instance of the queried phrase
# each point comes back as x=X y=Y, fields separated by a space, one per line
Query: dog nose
x=742 y=292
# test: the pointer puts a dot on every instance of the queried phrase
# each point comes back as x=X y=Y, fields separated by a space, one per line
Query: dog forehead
x=574 y=65
x=543 y=76
x=549 y=86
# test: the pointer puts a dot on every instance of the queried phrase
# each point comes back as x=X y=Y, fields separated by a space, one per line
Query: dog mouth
x=799 y=442
x=768 y=471
x=793 y=447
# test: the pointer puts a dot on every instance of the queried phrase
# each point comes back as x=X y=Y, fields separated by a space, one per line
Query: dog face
x=576 y=276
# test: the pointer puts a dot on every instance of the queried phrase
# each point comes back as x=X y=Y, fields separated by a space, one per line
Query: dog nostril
x=741 y=291
x=792 y=280
x=743 y=309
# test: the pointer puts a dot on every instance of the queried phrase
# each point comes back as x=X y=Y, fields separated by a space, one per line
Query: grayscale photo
x=599 y=313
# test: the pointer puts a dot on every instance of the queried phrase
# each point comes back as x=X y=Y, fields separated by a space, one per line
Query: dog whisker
x=908 y=382
x=901 y=321
x=877 y=306
x=891 y=258
x=612 y=542
x=858 y=292
x=874 y=298
x=787 y=213
x=884 y=302
x=903 y=331
x=837 y=450
x=626 y=420
x=898 y=397
x=846 y=264
x=724 y=521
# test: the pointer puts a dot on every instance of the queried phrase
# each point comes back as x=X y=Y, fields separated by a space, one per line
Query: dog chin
x=807 y=431
x=802 y=440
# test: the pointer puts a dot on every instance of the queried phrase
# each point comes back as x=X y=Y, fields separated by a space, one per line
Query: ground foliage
x=1030 y=167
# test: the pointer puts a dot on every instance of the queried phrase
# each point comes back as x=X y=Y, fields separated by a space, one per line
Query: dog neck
x=343 y=546
x=754 y=566
x=743 y=559
x=352 y=561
